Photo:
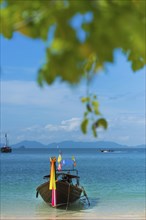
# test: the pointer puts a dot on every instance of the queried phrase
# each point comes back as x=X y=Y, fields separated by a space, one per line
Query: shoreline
x=112 y=217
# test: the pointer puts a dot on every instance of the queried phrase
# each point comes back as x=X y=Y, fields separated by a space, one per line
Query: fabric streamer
x=52 y=185
x=59 y=162
x=73 y=158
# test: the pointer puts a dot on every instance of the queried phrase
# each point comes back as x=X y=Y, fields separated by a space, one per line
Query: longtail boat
x=62 y=186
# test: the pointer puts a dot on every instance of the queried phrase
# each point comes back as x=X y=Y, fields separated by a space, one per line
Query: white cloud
x=69 y=125
x=127 y=120
x=32 y=128
x=65 y=130
x=118 y=131
x=57 y=110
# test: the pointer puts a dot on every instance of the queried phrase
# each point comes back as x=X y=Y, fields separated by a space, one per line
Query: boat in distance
x=105 y=150
x=6 y=148
x=67 y=188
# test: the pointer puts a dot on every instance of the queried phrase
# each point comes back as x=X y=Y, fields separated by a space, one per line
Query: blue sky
x=54 y=113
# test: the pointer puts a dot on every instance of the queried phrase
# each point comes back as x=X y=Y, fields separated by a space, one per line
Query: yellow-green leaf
x=94 y=130
x=84 y=125
x=85 y=99
x=101 y=123
x=89 y=108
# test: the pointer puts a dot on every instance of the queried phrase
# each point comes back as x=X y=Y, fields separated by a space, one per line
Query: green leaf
x=84 y=125
x=58 y=46
x=138 y=64
x=40 y=79
x=95 y=105
x=94 y=130
x=97 y=112
x=101 y=123
x=90 y=61
x=85 y=99
x=89 y=108
x=85 y=114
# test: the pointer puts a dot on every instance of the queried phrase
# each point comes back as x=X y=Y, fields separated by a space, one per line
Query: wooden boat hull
x=65 y=193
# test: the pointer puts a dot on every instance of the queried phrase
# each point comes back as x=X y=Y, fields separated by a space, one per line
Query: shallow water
x=114 y=182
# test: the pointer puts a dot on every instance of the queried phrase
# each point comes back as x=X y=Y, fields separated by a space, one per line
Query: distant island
x=73 y=144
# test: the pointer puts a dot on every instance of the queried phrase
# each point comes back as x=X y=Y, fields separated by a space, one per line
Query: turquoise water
x=114 y=182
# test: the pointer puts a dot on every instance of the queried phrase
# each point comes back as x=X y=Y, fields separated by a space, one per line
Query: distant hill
x=29 y=144
x=72 y=144
x=141 y=146
x=97 y=144
x=67 y=144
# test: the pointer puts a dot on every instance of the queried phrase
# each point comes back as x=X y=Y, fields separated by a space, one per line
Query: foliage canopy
x=86 y=33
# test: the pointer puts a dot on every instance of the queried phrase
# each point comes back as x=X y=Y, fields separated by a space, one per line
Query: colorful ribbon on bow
x=52 y=185
x=59 y=162
x=73 y=158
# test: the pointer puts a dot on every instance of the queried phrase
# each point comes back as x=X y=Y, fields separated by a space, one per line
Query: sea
x=115 y=183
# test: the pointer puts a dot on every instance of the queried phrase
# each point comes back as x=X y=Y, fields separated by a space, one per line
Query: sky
x=54 y=113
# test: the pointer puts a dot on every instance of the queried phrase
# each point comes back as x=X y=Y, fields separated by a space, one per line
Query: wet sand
x=77 y=217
